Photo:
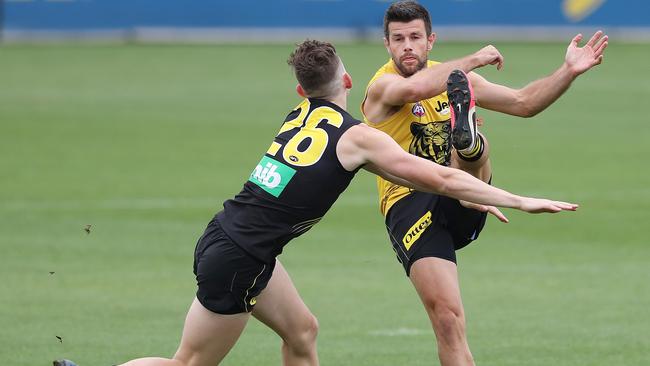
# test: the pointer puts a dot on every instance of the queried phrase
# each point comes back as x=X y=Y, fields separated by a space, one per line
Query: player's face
x=409 y=45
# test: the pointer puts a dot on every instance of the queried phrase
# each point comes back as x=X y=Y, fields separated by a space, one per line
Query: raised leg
x=480 y=168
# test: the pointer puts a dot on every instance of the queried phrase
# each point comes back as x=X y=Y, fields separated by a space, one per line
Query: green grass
x=145 y=142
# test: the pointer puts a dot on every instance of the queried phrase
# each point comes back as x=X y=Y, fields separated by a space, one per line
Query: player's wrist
x=518 y=202
x=570 y=70
x=474 y=61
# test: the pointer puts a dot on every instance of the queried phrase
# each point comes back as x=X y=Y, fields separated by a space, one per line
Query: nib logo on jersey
x=272 y=176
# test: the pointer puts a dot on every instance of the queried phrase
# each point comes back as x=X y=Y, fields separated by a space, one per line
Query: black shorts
x=423 y=225
x=229 y=278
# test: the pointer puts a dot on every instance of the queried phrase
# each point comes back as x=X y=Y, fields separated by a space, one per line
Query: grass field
x=145 y=142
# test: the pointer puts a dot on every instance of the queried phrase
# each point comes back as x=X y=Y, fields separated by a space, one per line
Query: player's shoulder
x=386 y=70
x=350 y=141
x=385 y=78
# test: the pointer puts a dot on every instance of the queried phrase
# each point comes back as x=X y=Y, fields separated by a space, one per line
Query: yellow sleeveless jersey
x=423 y=129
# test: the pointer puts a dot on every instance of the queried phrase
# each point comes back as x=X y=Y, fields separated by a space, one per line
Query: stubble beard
x=407 y=71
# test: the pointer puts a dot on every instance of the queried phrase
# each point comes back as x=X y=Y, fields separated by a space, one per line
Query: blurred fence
x=260 y=20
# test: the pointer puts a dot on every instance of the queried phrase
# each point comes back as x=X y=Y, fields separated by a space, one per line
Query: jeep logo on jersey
x=272 y=176
x=416 y=230
x=442 y=108
x=418 y=110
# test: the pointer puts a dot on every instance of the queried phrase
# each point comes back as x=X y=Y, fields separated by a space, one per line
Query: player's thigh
x=280 y=307
x=436 y=282
x=208 y=336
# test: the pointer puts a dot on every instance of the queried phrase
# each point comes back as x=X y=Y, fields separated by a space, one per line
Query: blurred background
x=124 y=125
x=235 y=21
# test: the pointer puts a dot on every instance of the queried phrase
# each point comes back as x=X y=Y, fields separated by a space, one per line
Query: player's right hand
x=538 y=205
x=581 y=59
x=489 y=55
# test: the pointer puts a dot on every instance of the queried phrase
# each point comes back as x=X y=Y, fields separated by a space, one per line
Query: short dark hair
x=315 y=64
x=406 y=11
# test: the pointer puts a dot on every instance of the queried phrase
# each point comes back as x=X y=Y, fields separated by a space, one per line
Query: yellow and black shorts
x=423 y=225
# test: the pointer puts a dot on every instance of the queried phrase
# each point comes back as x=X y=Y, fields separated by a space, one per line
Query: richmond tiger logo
x=432 y=141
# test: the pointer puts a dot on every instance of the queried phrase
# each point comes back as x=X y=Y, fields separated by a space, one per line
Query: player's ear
x=387 y=44
x=430 y=41
x=347 y=81
x=301 y=91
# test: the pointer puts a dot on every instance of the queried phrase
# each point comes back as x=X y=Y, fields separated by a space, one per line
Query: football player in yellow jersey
x=286 y=194
x=409 y=99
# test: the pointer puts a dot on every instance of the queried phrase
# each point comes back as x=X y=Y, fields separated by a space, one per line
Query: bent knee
x=304 y=333
x=309 y=328
x=448 y=320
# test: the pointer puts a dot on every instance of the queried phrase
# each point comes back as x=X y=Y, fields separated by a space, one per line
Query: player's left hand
x=581 y=59
x=484 y=208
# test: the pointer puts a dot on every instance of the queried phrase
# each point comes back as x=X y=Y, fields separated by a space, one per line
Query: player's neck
x=340 y=100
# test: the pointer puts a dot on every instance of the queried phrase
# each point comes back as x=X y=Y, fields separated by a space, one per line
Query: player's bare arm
x=364 y=146
x=539 y=94
x=403 y=182
x=391 y=91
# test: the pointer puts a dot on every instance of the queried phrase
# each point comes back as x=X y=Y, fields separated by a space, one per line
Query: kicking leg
x=478 y=165
x=207 y=338
x=471 y=148
x=436 y=282
x=280 y=307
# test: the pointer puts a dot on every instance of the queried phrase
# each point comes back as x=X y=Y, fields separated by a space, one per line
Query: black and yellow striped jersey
x=294 y=184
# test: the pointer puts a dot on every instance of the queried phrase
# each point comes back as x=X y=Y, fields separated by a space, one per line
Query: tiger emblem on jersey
x=432 y=141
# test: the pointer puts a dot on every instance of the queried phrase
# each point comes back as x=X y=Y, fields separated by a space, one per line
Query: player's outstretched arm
x=396 y=90
x=539 y=94
x=377 y=152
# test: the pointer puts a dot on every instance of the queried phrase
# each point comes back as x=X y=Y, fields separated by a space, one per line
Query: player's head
x=319 y=70
x=407 y=36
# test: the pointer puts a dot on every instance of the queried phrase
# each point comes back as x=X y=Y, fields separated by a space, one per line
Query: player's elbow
x=528 y=111
x=438 y=183
x=443 y=189
x=525 y=107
